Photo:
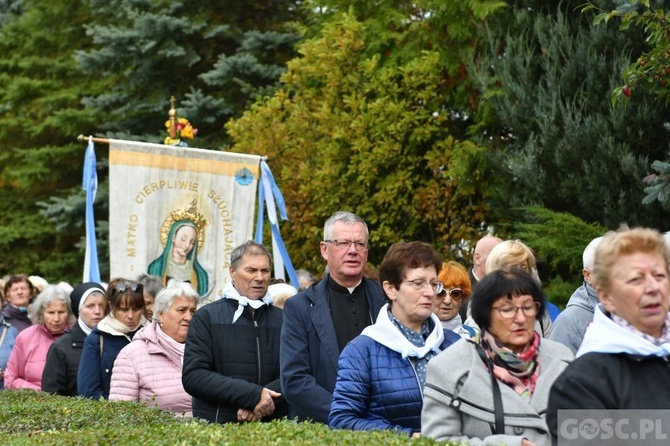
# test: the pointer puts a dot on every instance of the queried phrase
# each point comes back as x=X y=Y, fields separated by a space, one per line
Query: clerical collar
x=337 y=287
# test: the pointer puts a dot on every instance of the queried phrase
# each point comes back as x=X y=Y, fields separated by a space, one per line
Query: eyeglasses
x=345 y=244
x=132 y=286
x=508 y=312
x=454 y=294
x=422 y=284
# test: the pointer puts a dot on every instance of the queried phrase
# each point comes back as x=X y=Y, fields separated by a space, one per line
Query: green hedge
x=30 y=417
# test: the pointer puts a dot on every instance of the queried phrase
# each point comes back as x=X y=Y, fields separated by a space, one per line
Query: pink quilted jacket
x=28 y=357
x=149 y=369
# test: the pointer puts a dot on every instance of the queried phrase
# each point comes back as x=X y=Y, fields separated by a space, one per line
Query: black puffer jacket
x=226 y=365
x=60 y=371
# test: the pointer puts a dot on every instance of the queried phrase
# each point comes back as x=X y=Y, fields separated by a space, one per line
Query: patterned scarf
x=665 y=333
x=518 y=370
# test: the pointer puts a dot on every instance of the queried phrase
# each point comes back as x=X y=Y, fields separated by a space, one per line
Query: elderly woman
x=115 y=331
x=515 y=254
x=19 y=292
x=494 y=389
x=50 y=314
x=382 y=372
x=456 y=289
x=622 y=362
x=149 y=368
x=89 y=306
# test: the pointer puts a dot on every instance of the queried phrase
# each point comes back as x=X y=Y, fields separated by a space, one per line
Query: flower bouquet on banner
x=178 y=129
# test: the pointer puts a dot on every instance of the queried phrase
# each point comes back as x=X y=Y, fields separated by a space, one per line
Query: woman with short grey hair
x=149 y=368
x=165 y=298
x=50 y=314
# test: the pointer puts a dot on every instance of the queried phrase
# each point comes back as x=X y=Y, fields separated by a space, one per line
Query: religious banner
x=177 y=212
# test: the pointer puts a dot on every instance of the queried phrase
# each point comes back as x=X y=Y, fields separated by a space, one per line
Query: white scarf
x=109 y=324
x=604 y=335
x=456 y=325
x=85 y=328
x=229 y=292
x=387 y=334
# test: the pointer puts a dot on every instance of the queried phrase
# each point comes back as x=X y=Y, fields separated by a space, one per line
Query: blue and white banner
x=179 y=211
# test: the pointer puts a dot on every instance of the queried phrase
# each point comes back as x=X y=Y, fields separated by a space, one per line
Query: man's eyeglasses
x=454 y=294
x=345 y=244
x=132 y=286
x=422 y=284
x=509 y=311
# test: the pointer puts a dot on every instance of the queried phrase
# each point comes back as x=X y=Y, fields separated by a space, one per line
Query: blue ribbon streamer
x=279 y=199
x=90 y=185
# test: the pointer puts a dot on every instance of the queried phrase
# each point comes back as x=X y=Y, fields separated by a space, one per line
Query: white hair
x=589 y=256
x=174 y=290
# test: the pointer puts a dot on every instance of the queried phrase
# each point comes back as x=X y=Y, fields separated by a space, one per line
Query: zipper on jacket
x=416 y=375
x=258 y=349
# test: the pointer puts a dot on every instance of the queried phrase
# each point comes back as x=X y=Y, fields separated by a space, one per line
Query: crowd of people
x=421 y=347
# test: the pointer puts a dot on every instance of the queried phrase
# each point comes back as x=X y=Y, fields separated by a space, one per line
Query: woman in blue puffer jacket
x=382 y=372
x=7 y=340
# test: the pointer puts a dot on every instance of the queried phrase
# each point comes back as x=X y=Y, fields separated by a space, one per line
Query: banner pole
x=82 y=138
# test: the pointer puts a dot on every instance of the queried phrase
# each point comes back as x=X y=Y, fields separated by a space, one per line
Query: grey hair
x=348 y=218
x=589 y=256
x=150 y=284
x=51 y=294
x=174 y=289
x=303 y=274
x=248 y=247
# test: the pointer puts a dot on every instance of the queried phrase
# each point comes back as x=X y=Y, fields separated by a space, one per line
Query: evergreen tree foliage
x=346 y=132
x=558 y=240
x=40 y=116
x=558 y=143
x=215 y=57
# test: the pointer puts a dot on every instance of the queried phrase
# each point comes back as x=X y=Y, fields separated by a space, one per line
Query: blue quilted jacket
x=6 y=346
x=378 y=389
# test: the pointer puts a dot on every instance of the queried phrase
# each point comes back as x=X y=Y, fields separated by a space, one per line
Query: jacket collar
x=387 y=334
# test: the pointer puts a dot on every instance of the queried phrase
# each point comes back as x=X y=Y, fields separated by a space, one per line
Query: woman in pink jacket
x=149 y=368
x=50 y=314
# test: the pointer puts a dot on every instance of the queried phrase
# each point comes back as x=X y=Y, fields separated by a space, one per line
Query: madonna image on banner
x=182 y=235
x=178 y=212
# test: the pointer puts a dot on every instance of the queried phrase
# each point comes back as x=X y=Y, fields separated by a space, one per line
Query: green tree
x=215 y=57
x=40 y=115
x=650 y=72
x=346 y=131
x=558 y=240
x=556 y=140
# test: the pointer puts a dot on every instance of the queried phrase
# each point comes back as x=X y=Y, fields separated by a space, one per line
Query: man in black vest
x=321 y=320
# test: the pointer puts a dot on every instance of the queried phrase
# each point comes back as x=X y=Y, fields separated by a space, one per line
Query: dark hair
x=403 y=256
x=151 y=284
x=249 y=247
x=500 y=284
x=121 y=290
x=16 y=278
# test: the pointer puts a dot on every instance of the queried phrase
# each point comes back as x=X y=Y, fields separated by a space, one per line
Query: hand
x=416 y=434
x=246 y=415
x=266 y=406
x=527 y=442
